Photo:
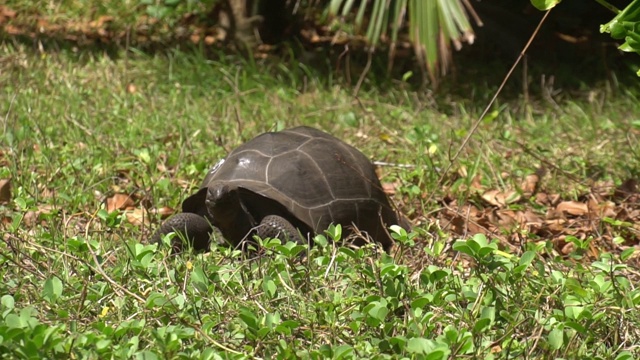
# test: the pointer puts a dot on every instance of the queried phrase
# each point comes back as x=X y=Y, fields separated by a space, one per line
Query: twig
x=6 y=116
x=365 y=71
x=384 y=163
x=473 y=12
x=80 y=126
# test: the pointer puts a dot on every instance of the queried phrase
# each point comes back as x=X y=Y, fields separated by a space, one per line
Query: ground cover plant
x=524 y=248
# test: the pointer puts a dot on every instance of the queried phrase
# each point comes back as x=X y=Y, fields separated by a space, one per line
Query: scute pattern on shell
x=317 y=177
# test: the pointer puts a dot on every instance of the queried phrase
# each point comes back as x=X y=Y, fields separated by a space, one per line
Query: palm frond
x=430 y=25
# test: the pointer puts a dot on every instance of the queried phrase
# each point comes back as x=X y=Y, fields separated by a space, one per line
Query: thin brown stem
x=475 y=125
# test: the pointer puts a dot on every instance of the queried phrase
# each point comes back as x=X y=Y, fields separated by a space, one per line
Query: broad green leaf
x=481 y=325
x=343 y=352
x=102 y=344
x=418 y=346
x=527 y=257
x=556 y=338
x=15 y=321
x=269 y=286
x=156 y=299
x=379 y=311
x=576 y=326
x=52 y=289
x=463 y=247
x=249 y=318
x=7 y=301
x=146 y=355
x=438 y=354
x=545 y=4
x=625 y=355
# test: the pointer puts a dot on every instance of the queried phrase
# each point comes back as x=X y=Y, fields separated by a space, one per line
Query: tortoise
x=291 y=185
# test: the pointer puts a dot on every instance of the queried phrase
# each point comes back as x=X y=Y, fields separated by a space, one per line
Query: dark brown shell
x=317 y=177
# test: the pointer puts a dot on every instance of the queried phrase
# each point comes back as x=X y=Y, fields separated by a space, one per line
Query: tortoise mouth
x=223 y=202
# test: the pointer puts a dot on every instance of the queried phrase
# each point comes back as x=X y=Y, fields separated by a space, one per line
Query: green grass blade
x=346 y=10
x=398 y=14
x=334 y=7
x=360 y=16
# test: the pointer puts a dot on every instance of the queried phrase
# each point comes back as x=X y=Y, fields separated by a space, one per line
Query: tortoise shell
x=307 y=176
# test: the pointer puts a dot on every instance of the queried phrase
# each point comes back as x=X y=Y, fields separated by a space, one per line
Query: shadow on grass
x=565 y=56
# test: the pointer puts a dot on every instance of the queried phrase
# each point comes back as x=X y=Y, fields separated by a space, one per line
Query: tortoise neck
x=235 y=224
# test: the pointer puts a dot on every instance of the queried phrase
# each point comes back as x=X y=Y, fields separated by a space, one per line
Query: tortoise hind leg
x=277 y=227
x=193 y=227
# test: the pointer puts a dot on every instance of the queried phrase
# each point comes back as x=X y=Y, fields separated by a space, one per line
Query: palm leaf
x=432 y=26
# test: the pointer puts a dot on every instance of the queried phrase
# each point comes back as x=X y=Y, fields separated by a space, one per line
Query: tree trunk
x=241 y=26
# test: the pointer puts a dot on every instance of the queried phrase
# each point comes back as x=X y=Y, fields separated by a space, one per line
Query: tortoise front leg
x=193 y=227
x=277 y=227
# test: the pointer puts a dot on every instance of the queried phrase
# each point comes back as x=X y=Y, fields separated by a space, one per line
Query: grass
x=81 y=282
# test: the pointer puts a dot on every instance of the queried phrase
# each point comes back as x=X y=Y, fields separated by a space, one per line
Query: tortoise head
x=222 y=202
x=227 y=212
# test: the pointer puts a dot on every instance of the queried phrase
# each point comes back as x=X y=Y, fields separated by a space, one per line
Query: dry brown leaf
x=556 y=226
x=184 y=184
x=506 y=218
x=265 y=48
x=476 y=183
x=7 y=12
x=137 y=217
x=221 y=34
x=573 y=208
x=603 y=189
x=161 y=167
x=553 y=214
x=5 y=190
x=131 y=88
x=32 y=217
x=529 y=185
x=554 y=199
x=119 y=202
x=568 y=248
x=623 y=214
x=12 y=30
x=602 y=209
x=4 y=158
x=531 y=221
x=451 y=219
x=501 y=198
x=209 y=40
x=46 y=208
x=542 y=199
x=99 y=22
x=634 y=215
x=164 y=212
x=626 y=189
x=389 y=188
x=531 y=218
x=490 y=197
